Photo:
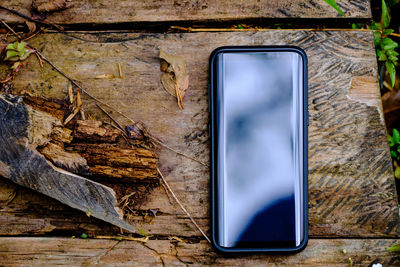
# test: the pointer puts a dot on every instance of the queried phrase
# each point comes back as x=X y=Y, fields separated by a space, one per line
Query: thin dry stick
x=108 y=115
x=8 y=27
x=182 y=207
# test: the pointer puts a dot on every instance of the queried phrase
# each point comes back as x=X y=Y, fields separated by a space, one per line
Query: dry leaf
x=31 y=26
x=53 y=5
x=175 y=77
x=77 y=108
x=105 y=76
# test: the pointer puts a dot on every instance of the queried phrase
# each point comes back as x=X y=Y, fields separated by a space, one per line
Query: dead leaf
x=50 y=6
x=175 y=77
x=105 y=76
x=31 y=26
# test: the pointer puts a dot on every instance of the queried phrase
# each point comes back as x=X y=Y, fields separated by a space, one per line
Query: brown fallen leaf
x=43 y=6
x=175 y=77
x=105 y=76
x=31 y=26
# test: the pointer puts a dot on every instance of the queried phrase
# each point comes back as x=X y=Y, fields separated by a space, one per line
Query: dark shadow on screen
x=274 y=224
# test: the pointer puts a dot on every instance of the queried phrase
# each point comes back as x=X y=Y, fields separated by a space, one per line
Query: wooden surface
x=67 y=251
x=191 y=10
x=351 y=184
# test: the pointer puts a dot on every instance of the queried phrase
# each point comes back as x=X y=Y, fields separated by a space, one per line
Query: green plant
x=384 y=44
x=394 y=144
x=17 y=52
x=333 y=4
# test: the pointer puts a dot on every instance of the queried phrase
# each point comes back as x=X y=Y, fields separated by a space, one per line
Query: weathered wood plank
x=351 y=181
x=191 y=10
x=58 y=251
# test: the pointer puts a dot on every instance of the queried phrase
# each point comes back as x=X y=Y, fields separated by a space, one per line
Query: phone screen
x=259 y=154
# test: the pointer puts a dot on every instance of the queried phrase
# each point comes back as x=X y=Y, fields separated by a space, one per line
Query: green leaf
x=392 y=73
x=395 y=247
x=397 y=172
x=11 y=55
x=26 y=54
x=393 y=58
x=381 y=55
x=84 y=236
x=333 y=4
x=387 y=41
x=240 y=26
x=391 y=46
x=396 y=136
x=385 y=15
x=21 y=47
x=377 y=37
x=393 y=154
x=388 y=31
x=392 y=53
x=390 y=141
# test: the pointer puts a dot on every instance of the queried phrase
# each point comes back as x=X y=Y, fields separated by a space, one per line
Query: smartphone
x=258 y=137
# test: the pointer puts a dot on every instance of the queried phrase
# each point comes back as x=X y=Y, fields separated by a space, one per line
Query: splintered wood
x=38 y=152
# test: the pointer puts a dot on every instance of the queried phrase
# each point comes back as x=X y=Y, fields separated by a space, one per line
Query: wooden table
x=352 y=201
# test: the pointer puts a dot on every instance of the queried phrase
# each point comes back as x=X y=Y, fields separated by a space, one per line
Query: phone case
x=213 y=146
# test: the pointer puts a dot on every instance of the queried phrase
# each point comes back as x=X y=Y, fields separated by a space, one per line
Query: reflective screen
x=260 y=144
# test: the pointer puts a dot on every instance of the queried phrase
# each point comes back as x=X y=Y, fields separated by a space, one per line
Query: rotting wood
x=351 y=182
x=27 y=131
x=95 y=12
x=67 y=251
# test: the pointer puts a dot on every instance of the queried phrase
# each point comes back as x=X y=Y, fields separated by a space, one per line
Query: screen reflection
x=260 y=140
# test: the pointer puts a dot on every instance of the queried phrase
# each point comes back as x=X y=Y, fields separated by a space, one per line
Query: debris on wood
x=31 y=26
x=119 y=70
x=46 y=6
x=175 y=78
x=77 y=108
x=105 y=76
x=67 y=163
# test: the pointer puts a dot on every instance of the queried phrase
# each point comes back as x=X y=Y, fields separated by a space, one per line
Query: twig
x=177 y=152
x=119 y=238
x=32 y=19
x=8 y=27
x=395 y=34
x=182 y=207
x=120 y=70
x=108 y=115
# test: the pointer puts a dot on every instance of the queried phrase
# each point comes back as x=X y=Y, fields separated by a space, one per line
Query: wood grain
x=351 y=184
x=67 y=251
x=99 y=12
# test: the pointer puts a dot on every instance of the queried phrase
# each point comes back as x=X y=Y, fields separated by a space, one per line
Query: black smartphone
x=258 y=136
